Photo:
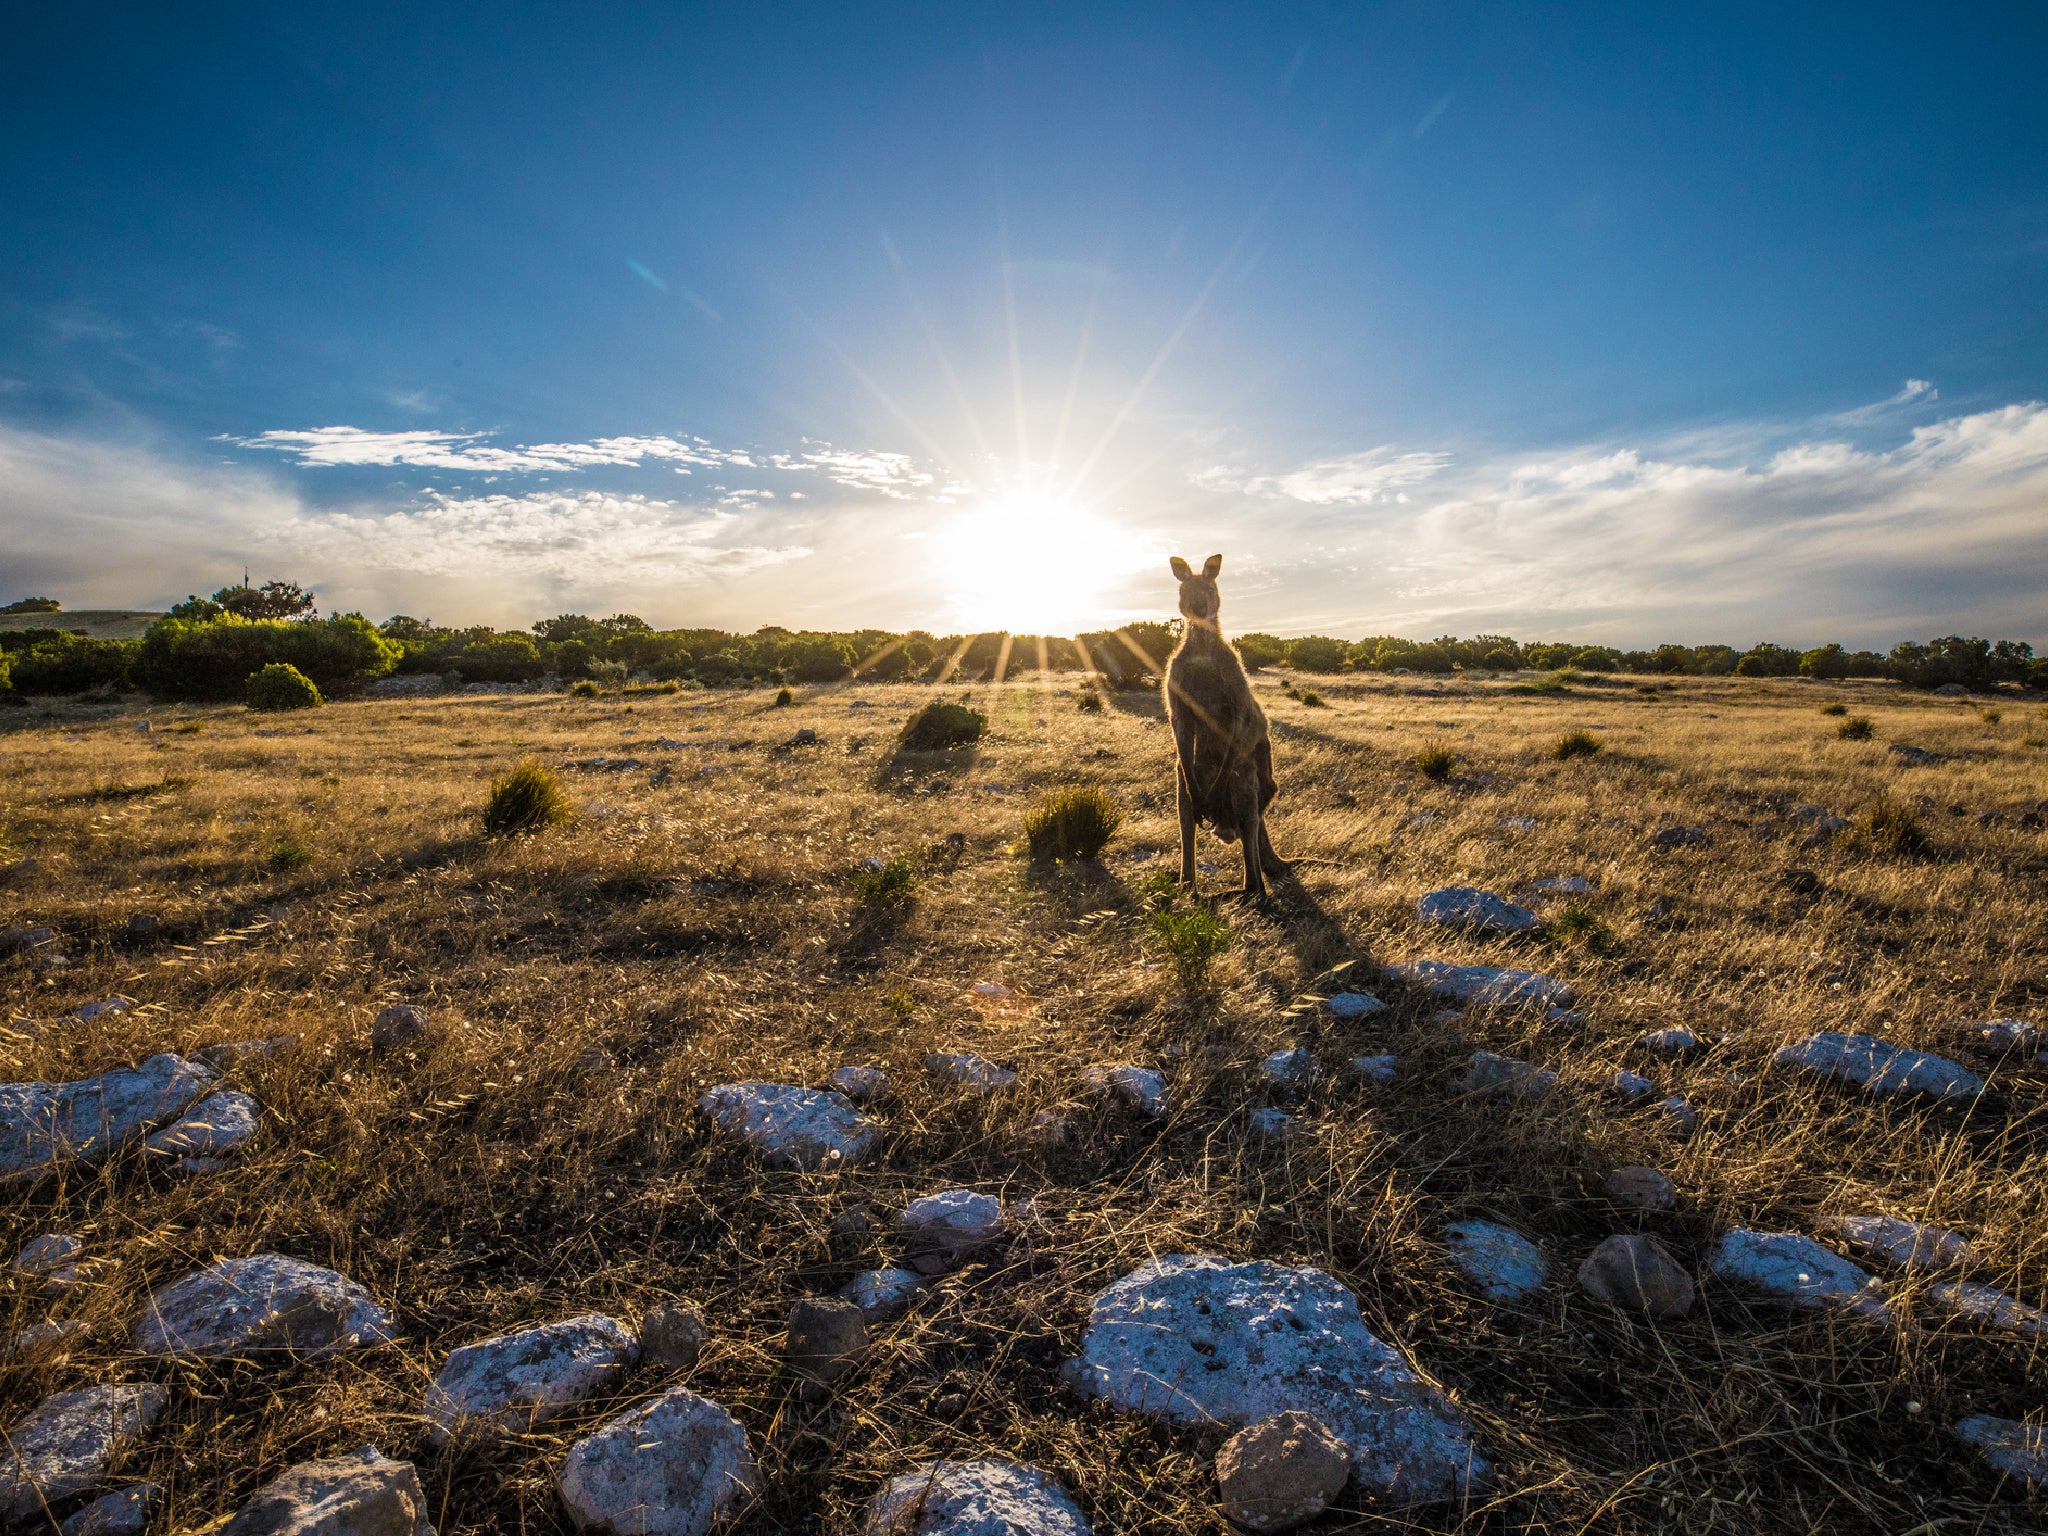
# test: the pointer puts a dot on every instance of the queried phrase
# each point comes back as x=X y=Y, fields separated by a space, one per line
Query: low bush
x=1892 y=826
x=56 y=661
x=1072 y=823
x=1581 y=925
x=1856 y=728
x=1090 y=701
x=281 y=686
x=1436 y=760
x=940 y=725
x=784 y=698
x=892 y=885
x=1310 y=699
x=1989 y=716
x=585 y=689
x=1576 y=744
x=608 y=675
x=1836 y=708
x=1189 y=942
x=212 y=658
x=525 y=800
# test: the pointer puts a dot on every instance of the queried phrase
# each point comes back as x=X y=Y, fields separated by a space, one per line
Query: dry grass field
x=539 y=1155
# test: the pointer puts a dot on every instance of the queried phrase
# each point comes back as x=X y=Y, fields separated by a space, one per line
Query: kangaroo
x=1224 y=769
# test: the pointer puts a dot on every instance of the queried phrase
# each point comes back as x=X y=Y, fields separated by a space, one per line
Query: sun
x=1032 y=559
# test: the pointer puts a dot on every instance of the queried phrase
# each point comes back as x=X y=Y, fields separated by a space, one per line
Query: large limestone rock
x=1197 y=1339
x=1498 y=985
x=1468 y=909
x=1880 y=1067
x=974 y=1498
x=2016 y=1450
x=518 y=1380
x=216 y=1125
x=677 y=1466
x=1909 y=1244
x=363 y=1493
x=1797 y=1271
x=69 y=1442
x=263 y=1304
x=1500 y=1262
x=43 y=1124
x=796 y=1127
x=1281 y=1472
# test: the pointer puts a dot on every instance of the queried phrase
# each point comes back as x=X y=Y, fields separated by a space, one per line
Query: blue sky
x=1622 y=321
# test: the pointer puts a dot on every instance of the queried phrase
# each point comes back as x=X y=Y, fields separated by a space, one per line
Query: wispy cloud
x=895 y=475
x=1354 y=479
x=326 y=447
x=1913 y=392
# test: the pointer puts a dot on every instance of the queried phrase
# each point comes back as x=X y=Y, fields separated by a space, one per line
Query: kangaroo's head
x=1200 y=602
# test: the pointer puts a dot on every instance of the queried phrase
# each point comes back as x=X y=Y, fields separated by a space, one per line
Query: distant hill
x=99 y=623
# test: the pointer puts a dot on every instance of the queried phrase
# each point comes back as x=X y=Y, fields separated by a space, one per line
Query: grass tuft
x=1090 y=701
x=1436 y=760
x=1310 y=699
x=1072 y=823
x=1189 y=942
x=1989 y=716
x=893 y=885
x=1835 y=708
x=1891 y=826
x=1576 y=744
x=586 y=689
x=1581 y=926
x=941 y=725
x=1856 y=728
x=525 y=800
x=287 y=854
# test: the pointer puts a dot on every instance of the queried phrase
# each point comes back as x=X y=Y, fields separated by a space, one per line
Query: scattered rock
x=827 y=1337
x=854 y=1222
x=945 y=1228
x=1644 y=1188
x=1048 y=1129
x=805 y=737
x=863 y=1085
x=1992 y=1308
x=1354 y=1005
x=1485 y=983
x=1271 y=1123
x=1563 y=885
x=1470 y=910
x=677 y=1466
x=516 y=1381
x=1632 y=1086
x=1794 y=1269
x=363 y=1493
x=53 y=1257
x=1141 y=1088
x=1197 y=1339
x=142 y=928
x=400 y=1024
x=42 y=1124
x=1380 y=1070
x=1281 y=1472
x=228 y=1053
x=266 y=1303
x=1679 y=1115
x=2013 y=1449
x=1910 y=1244
x=672 y=1335
x=974 y=1498
x=117 y=1004
x=797 y=1127
x=217 y=1124
x=1291 y=1069
x=2003 y=1034
x=970 y=1071
x=69 y=1442
x=124 y=1512
x=1491 y=1073
x=1674 y=1041
x=883 y=1295
x=1503 y=1264
x=1917 y=757
x=50 y=1339
x=1678 y=837
x=1879 y=1066
x=20 y=940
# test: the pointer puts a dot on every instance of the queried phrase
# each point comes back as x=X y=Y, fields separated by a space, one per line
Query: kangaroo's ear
x=1181 y=568
x=1211 y=566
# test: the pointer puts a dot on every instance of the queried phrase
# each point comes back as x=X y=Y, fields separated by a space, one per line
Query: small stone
x=1675 y=1041
x=1678 y=837
x=67 y=1444
x=1878 y=1066
x=1915 y=756
x=827 y=1337
x=1502 y=1263
x=677 y=1466
x=266 y=1303
x=1679 y=1115
x=973 y=1498
x=1289 y=1069
x=1632 y=1086
x=1563 y=885
x=2003 y=1034
x=20 y=940
x=974 y=1073
x=1379 y=1070
x=142 y=928
x=124 y=1512
x=1281 y=1472
x=1142 y=1088
x=53 y=1256
x=1490 y=1073
x=1644 y=1188
x=1910 y=1244
x=1273 y=1124
x=2010 y=1448
x=947 y=1227
x=1638 y=1274
x=47 y=1339
x=1991 y=1307
x=1468 y=909
x=796 y=1127
x=883 y=1295
x=117 y=1004
x=1794 y=1269
x=1354 y=1005
x=1800 y=882
x=400 y=1024
x=672 y=1335
x=363 y=1493
x=1487 y=984
x=222 y=1122
x=854 y=1221
x=863 y=1085
x=514 y=1382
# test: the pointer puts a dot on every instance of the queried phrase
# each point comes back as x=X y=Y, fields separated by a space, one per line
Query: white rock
x=1503 y=1264
x=1197 y=1339
x=797 y=1127
x=1911 y=1244
x=69 y=1442
x=266 y=1303
x=42 y=1124
x=1992 y=1308
x=1879 y=1066
x=1485 y=983
x=1794 y=1269
x=1519 y=823
x=2002 y=1034
x=113 y=1005
x=863 y=1085
x=124 y=1512
x=217 y=1124
x=677 y=1466
x=974 y=1498
x=1354 y=1005
x=2016 y=1450
x=1294 y=1068
x=1632 y=1086
x=518 y=1380
x=1272 y=1123
x=1563 y=885
x=953 y=1221
x=1141 y=1088
x=363 y=1493
x=1491 y=1073
x=1674 y=1041
x=974 y=1073
x=990 y=989
x=883 y=1295
x=1376 y=1069
x=1470 y=910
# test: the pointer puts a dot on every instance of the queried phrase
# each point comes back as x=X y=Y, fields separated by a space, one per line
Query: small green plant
x=940 y=725
x=1072 y=823
x=1835 y=708
x=1577 y=744
x=890 y=885
x=1989 y=716
x=1892 y=826
x=1189 y=942
x=287 y=854
x=784 y=698
x=1436 y=760
x=1158 y=890
x=282 y=686
x=1090 y=701
x=1581 y=925
x=1856 y=728
x=525 y=800
x=586 y=689
x=1310 y=699
x=900 y=1003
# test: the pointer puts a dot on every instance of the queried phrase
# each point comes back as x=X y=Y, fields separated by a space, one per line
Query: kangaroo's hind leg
x=1270 y=861
x=1252 y=828
x=1186 y=803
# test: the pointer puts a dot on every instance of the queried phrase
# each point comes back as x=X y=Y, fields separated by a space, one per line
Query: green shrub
x=585 y=689
x=1090 y=701
x=1072 y=823
x=784 y=698
x=1581 y=925
x=1317 y=653
x=1576 y=744
x=57 y=661
x=1856 y=728
x=1836 y=708
x=1892 y=827
x=287 y=854
x=525 y=800
x=1189 y=942
x=1593 y=659
x=940 y=725
x=33 y=605
x=212 y=658
x=894 y=884
x=1310 y=699
x=280 y=686
x=1436 y=760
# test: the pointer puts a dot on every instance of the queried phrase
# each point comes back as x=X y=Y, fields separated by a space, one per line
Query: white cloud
x=1355 y=479
x=1912 y=392
x=895 y=475
x=326 y=447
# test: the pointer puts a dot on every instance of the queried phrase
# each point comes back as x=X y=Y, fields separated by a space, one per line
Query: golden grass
x=538 y=1155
